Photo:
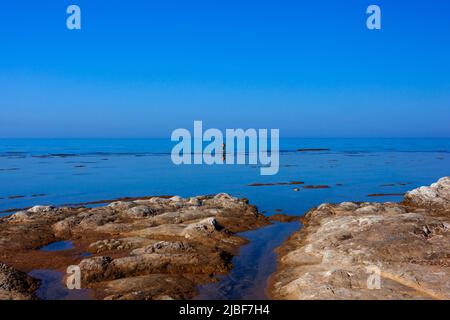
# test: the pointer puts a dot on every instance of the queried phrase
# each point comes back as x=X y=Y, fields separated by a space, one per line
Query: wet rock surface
x=343 y=248
x=154 y=248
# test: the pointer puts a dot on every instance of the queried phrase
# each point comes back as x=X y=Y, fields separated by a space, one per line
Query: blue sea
x=57 y=172
x=73 y=171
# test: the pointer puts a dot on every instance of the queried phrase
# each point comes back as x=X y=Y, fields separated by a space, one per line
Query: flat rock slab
x=370 y=250
x=154 y=248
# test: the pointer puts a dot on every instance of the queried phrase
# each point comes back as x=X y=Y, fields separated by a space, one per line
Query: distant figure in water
x=223 y=152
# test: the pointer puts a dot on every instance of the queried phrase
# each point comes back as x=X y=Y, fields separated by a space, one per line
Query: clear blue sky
x=143 y=68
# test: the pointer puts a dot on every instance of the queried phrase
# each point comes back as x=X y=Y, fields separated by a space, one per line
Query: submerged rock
x=370 y=250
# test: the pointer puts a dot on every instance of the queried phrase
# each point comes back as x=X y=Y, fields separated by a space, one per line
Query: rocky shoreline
x=155 y=248
x=370 y=250
x=164 y=247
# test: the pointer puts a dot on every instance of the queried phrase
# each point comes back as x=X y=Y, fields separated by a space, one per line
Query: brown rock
x=16 y=285
x=150 y=248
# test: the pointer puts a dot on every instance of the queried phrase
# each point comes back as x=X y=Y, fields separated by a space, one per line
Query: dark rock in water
x=55 y=155
x=16 y=197
x=313 y=149
x=394 y=184
x=16 y=285
x=275 y=184
x=316 y=187
x=280 y=217
x=385 y=194
x=344 y=249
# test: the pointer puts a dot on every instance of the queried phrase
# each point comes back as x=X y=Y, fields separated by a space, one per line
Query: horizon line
x=168 y=138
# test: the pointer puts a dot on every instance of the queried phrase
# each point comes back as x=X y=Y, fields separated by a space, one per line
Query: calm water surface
x=58 y=246
x=60 y=172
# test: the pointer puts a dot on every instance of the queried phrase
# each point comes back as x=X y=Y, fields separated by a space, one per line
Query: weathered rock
x=342 y=248
x=164 y=247
x=202 y=228
x=118 y=244
x=20 y=216
x=153 y=286
x=141 y=211
x=16 y=285
x=436 y=196
x=122 y=205
x=170 y=244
